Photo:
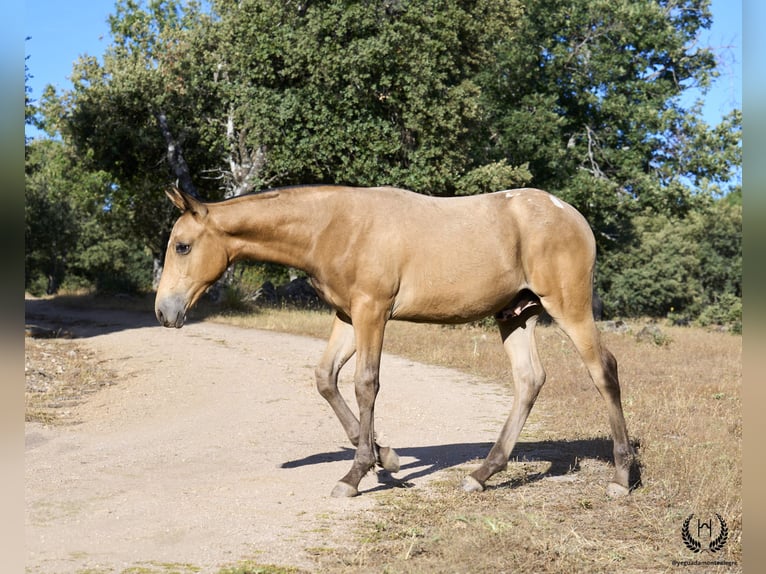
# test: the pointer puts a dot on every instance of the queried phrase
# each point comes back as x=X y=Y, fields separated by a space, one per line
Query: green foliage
x=726 y=310
x=587 y=93
x=30 y=112
x=493 y=177
x=687 y=267
x=359 y=92
x=249 y=276
x=70 y=237
x=655 y=276
x=444 y=97
x=111 y=264
x=51 y=226
x=114 y=115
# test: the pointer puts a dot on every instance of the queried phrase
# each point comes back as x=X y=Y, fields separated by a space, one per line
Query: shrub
x=726 y=311
x=680 y=268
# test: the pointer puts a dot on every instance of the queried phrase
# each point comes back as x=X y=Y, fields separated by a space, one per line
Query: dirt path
x=214 y=447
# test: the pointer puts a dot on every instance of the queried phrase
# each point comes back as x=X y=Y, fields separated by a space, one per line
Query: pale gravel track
x=213 y=447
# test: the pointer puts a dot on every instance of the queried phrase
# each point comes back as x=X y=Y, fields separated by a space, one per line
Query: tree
x=29 y=107
x=441 y=96
x=270 y=93
x=141 y=115
x=362 y=93
x=71 y=237
x=698 y=157
x=50 y=228
x=588 y=94
x=681 y=266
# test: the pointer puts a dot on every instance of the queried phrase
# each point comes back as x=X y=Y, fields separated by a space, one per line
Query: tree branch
x=245 y=165
x=175 y=156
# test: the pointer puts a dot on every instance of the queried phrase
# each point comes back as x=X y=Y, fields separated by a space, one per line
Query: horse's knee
x=326 y=381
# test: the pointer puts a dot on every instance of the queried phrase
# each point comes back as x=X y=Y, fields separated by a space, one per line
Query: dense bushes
x=683 y=268
x=73 y=242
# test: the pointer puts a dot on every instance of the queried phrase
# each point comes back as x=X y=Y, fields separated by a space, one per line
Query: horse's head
x=194 y=260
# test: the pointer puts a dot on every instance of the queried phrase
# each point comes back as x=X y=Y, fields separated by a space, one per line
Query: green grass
x=248 y=567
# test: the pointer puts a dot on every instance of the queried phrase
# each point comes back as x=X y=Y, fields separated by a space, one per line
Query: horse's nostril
x=160 y=317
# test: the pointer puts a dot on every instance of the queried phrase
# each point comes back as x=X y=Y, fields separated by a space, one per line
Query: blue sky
x=725 y=38
x=61 y=31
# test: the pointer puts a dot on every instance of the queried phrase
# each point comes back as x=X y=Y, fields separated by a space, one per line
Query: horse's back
x=502 y=228
x=462 y=258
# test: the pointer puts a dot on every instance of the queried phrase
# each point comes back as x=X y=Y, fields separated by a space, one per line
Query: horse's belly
x=454 y=299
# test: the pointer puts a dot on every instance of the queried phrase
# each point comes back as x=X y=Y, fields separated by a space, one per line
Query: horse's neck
x=277 y=229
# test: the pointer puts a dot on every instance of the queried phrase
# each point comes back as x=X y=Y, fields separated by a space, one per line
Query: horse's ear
x=176 y=196
x=186 y=202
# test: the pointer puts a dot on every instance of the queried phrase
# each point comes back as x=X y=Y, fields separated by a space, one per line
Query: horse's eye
x=183 y=248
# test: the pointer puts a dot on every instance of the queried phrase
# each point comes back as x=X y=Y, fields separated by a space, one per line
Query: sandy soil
x=212 y=446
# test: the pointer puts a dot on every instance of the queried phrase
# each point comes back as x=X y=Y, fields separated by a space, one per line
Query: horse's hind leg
x=340 y=348
x=518 y=336
x=602 y=367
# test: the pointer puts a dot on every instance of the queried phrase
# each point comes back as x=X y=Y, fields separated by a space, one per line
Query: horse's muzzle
x=170 y=312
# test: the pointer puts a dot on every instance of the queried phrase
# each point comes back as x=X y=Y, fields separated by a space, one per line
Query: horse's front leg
x=368 y=330
x=340 y=348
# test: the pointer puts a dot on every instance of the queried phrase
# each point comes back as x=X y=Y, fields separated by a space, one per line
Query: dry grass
x=59 y=374
x=548 y=512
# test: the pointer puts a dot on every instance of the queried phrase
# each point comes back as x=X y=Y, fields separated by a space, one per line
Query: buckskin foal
x=376 y=254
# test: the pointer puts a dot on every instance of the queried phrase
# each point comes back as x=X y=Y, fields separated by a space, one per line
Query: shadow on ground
x=564 y=457
x=83 y=316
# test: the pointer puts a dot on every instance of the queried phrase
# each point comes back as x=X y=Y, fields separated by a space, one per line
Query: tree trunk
x=175 y=156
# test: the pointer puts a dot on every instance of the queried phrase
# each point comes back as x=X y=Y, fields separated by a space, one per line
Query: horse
x=380 y=254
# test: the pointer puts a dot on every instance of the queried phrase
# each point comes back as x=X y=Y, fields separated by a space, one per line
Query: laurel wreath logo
x=715 y=545
x=690 y=542
x=720 y=542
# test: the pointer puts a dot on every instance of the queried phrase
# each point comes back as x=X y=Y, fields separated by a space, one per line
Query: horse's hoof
x=389 y=460
x=470 y=484
x=614 y=490
x=344 y=490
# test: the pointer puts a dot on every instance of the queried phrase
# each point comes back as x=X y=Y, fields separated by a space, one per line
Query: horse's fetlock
x=368 y=463
x=496 y=461
x=624 y=455
x=365 y=460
